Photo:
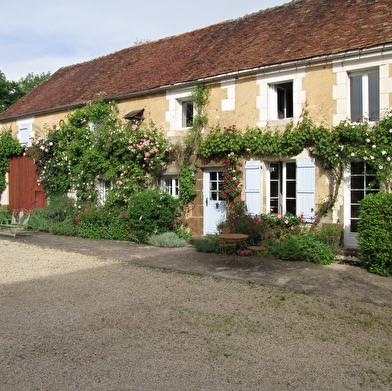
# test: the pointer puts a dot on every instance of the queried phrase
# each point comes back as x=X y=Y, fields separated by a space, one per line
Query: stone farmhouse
x=330 y=57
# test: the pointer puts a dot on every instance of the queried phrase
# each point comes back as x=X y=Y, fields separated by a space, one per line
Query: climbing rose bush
x=93 y=143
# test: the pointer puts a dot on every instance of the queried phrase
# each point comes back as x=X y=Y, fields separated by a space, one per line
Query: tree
x=12 y=91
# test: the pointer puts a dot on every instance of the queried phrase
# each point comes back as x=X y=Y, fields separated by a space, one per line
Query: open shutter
x=252 y=187
x=24 y=135
x=306 y=184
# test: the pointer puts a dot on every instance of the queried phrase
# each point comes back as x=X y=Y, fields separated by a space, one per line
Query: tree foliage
x=12 y=91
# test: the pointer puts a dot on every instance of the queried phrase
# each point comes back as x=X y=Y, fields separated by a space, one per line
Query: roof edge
x=268 y=68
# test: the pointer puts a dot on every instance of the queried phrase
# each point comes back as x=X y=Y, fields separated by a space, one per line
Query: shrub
x=331 y=235
x=209 y=245
x=184 y=233
x=103 y=223
x=59 y=208
x=66 y=227
x=304 y=246
x=167 y=239
x=4 y=216
x=375 y=233
x=151 y=212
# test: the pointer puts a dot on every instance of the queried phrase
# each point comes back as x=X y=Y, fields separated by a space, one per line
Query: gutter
x=384 y=49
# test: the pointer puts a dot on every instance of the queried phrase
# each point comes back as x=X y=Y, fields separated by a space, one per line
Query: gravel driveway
x=76 y=322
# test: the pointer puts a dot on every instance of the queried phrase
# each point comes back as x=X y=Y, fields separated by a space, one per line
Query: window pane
x=285 y=100
x=291 y=170
x=357 y=168
x=357 y=195
x=291 y=206
x=356 y=97
x=274 y=205
x=187 y=113
x=291 y=189
x=274 y=189
x=374 y=96
x=274 y=171
x=354 y=211
x=357 y=182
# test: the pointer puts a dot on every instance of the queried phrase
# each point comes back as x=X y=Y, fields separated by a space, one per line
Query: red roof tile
x=297 y=30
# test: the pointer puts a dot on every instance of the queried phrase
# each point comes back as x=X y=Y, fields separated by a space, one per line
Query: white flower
x=374 y=146
x=380 y=167
x=372 y=157
x=388 y=159
x=352 y=153
x=365 y=158
x=368 y=140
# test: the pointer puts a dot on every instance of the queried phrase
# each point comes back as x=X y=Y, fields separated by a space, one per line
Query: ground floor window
x=283 y=180
x=170 y=185
x=103 y=187
x=362 y=183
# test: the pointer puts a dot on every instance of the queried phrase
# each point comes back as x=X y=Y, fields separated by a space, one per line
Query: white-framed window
x=365 y=95
x=291 y=187
x=181 y=110
x=356 y=91
x=362 y=183
x=281 y=96
x=103 y=188
x=187 y=113
x=25 y=132
x=171 y=185
x=283 y=185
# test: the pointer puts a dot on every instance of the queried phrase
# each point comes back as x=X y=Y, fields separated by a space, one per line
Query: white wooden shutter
x=252 y=187
x=24 y=135
x=306 y=185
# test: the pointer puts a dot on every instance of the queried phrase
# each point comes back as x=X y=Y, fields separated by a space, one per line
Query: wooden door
x=24 y=190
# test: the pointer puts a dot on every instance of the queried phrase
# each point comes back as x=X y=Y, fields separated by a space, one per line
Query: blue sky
x=45 y=35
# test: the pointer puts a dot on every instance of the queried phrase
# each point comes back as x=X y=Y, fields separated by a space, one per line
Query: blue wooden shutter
x=252 y=187
x=306 y=185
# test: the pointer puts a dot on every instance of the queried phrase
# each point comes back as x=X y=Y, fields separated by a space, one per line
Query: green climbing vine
x=200 y=98
x=334 y=148
x=9 y=146
x=94 y=143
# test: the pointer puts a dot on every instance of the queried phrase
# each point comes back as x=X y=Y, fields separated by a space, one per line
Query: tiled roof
x=297 y=30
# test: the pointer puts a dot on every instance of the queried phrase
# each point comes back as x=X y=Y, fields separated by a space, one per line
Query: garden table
x=232 y=241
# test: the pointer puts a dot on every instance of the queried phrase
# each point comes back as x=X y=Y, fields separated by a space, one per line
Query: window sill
x=279 y=122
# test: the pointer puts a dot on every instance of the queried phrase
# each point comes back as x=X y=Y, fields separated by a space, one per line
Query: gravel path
x=76 y=322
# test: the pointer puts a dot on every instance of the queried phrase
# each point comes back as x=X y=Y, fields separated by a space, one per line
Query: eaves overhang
x=359 y=53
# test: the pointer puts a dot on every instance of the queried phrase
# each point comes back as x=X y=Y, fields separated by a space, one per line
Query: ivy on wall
x=9 y=146
x=333 y=147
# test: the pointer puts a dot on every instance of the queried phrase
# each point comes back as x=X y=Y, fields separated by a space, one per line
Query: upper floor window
x=283 y=99
x=170 y=185
x=25 y=132
x=365 y=95
x=187 y=113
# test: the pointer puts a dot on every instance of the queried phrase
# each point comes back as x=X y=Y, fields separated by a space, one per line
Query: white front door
x=214 y=206
x=358 y=182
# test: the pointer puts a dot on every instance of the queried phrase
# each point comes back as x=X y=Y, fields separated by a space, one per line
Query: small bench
x=17 y=224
